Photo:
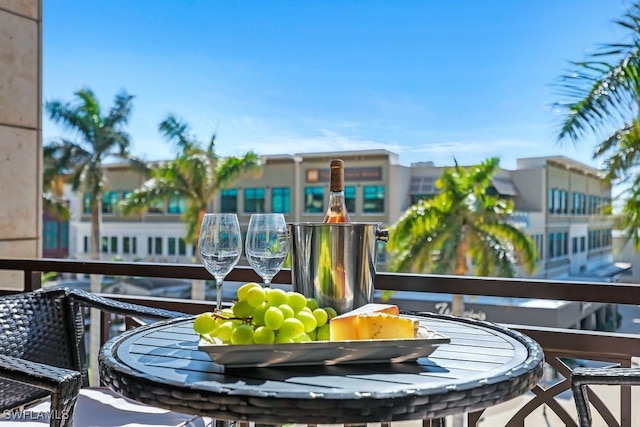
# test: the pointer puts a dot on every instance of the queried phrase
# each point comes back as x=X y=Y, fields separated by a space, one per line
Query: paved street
x=630 y=319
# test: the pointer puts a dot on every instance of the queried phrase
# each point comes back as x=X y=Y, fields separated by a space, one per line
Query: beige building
x=561 y=203
x=20 y=132
x=574 y=225
x=295 y=185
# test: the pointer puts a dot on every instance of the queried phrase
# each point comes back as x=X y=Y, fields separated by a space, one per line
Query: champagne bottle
x=337 y=211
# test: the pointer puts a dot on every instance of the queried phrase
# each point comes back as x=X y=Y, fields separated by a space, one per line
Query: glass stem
x=267 y=283
x=219 y=293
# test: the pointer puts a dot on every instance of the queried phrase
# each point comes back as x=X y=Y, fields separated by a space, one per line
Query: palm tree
x=601 y=99
x=462 y=224
x=196 y=175
x=99 y=135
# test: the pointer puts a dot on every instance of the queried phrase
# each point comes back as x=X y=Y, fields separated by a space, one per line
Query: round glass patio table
x=484 y=364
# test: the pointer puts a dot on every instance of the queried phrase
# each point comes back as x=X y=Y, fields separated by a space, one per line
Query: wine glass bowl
x=220 y=247
x=267 y=245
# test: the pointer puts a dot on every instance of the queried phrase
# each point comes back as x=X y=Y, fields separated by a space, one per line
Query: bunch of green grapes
x=266 y=316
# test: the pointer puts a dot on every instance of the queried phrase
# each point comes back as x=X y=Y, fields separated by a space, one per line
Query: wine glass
x=220 y=247
x=266 y=246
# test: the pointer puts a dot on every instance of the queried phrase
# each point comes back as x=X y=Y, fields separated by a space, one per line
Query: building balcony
x=572 y=321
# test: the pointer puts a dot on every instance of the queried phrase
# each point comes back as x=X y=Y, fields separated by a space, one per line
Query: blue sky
x=431 y=80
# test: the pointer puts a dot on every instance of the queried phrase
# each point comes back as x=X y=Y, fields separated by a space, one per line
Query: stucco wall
x=20 y=133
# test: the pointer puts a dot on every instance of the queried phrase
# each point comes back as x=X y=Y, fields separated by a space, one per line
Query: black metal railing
x=559 y=344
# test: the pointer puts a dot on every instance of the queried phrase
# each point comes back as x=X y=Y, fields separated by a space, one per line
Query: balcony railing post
x=32 y=280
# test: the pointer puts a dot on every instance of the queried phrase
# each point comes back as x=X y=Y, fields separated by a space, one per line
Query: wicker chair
x=581 y=377
x=42 y=354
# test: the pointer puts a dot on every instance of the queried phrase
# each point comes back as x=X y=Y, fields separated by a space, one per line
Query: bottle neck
x=336 y=197
x=337 y=180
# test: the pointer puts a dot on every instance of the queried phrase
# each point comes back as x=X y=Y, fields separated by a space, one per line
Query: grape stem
x=222 y=316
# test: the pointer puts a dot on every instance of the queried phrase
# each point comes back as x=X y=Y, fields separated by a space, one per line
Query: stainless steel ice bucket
x=335 y=263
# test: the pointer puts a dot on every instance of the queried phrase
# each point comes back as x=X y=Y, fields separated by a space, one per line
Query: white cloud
x=327 y=140
x=476 y=147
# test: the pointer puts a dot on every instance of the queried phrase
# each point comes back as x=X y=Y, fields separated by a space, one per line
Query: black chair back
x=45 y=327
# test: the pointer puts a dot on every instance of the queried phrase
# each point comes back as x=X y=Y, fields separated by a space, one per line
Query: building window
x=158 y=248
x=86 y=203
x=85 y=244
x=110 y=202
x=557 y=201
x=281 y=200
x=105 y=245
x=373 y=201
x=552 y=252
x=582 y=244
x=149 y=245
x=64 y=234
x=156 y=207
x=114 y=245
x=126 y=245
x=182 y=247
x=176 y=205
x=314 y=200
x=574 y=245
x=50 y=235
x=350 y=198
x=229 y=200
x=580 y=204
x=171 y=246
x=540 y=245
x=254 y=200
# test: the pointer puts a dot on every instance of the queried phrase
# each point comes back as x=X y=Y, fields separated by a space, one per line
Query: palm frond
x=631 y=215
x=177 y=131
x=152 y=191
x=56 y=206
x=622 y=151
x=233 y=167
x=120 y=112
x=602 y=91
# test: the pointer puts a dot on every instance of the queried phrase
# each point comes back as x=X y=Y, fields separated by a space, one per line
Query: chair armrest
x=64 y=384
x=605 y=376
x=581 y=377
x=124 y=308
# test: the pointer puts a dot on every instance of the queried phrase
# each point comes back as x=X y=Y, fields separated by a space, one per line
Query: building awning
x=504 y=186
x=609 y=270
x=604 y=273
x=421 y=185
